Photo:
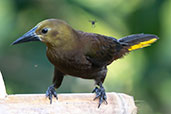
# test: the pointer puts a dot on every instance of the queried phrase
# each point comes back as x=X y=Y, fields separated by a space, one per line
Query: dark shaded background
x=144 y=74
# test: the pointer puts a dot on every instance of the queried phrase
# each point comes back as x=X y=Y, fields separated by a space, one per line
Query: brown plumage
x=81 y=54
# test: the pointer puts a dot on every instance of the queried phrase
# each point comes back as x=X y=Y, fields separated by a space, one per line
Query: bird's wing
x=101 y=50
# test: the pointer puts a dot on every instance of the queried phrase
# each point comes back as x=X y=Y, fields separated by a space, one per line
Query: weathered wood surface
x=83 y=103
x=66 y=104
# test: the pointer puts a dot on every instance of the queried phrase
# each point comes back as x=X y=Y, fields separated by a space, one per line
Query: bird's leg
x=57 y=80
x=100 y=93
x=51 y=92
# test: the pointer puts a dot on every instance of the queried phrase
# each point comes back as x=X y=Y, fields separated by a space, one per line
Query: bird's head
x=52 y=32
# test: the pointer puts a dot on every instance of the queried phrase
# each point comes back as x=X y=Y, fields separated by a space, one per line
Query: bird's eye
x=45 y=30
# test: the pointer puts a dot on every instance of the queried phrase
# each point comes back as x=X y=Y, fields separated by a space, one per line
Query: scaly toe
x=100 y=93
x=50 y=93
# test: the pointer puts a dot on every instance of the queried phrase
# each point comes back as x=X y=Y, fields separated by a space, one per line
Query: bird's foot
x=50 y=93
x=100 y=93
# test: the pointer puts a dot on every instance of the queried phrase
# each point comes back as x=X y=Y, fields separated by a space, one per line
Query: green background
x=144 y=74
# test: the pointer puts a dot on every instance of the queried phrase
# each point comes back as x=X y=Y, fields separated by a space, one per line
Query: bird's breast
x=70 y=62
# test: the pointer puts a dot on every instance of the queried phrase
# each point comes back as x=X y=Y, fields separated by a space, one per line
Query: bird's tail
x=137 y=41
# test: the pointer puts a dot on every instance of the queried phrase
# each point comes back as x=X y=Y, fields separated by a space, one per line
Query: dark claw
x=100 y=101
x=100 y=93
x=50 y=93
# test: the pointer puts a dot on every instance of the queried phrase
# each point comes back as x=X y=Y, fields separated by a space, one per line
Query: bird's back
x=101 y=50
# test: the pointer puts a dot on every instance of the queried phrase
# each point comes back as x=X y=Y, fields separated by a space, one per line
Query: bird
x=82 y=54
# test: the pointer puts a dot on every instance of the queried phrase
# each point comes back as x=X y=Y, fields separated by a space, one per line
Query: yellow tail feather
x=142 y=44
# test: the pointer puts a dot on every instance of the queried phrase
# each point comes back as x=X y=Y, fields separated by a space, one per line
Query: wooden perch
x=83 y=103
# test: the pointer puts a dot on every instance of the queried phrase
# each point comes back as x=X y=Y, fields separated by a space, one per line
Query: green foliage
x=144 y=74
